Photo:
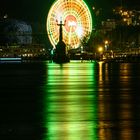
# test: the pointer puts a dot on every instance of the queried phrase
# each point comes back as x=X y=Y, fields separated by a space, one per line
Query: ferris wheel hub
x=71 y=23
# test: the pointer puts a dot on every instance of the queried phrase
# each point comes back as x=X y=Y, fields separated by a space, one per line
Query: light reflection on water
x=91 y=101
x=115 y=102
x=71 y=102
x=74 y=101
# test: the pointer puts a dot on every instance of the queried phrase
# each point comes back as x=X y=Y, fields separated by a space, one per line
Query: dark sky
x=36 y=10
x=32 y=10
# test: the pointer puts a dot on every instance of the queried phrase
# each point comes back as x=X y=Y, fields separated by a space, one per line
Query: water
x=74 y=101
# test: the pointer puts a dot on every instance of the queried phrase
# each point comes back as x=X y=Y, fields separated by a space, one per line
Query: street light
x=106 y=44
x=100 y=49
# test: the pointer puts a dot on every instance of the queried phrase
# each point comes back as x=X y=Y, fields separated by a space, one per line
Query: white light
x=59 y=17
x=79 y=31
x=71 y=23
x=5 y=16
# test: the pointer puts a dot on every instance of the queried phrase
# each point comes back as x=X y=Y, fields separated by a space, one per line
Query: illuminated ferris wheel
x=76 y=18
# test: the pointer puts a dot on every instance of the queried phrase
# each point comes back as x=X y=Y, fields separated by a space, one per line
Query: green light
x=70 y=111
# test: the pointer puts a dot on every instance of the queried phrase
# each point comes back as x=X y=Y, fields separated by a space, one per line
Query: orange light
x=100 y=49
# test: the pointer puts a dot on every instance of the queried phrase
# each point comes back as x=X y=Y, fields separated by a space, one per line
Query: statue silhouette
x=60 y=55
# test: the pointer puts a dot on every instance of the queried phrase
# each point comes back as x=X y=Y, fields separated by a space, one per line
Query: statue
x=60 y=55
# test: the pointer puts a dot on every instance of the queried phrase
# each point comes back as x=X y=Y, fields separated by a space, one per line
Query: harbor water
x=72 y=101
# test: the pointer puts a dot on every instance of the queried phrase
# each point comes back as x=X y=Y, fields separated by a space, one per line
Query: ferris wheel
x=76 y=18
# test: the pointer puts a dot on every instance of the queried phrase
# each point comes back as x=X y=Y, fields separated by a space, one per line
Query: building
x=15 y=32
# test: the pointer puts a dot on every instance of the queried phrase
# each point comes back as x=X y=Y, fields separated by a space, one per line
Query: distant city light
x=106 y=42
x=5 y=16
x=93 y=8
x=100 y=49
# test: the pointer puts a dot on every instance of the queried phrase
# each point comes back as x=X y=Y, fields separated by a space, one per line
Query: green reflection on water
x=70 y=111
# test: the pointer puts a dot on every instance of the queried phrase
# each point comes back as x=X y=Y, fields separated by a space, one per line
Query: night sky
x=36 y=10
x=30 y=10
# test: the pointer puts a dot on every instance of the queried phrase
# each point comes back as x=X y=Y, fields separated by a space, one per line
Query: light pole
x=106 y=43
x=100 y=50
